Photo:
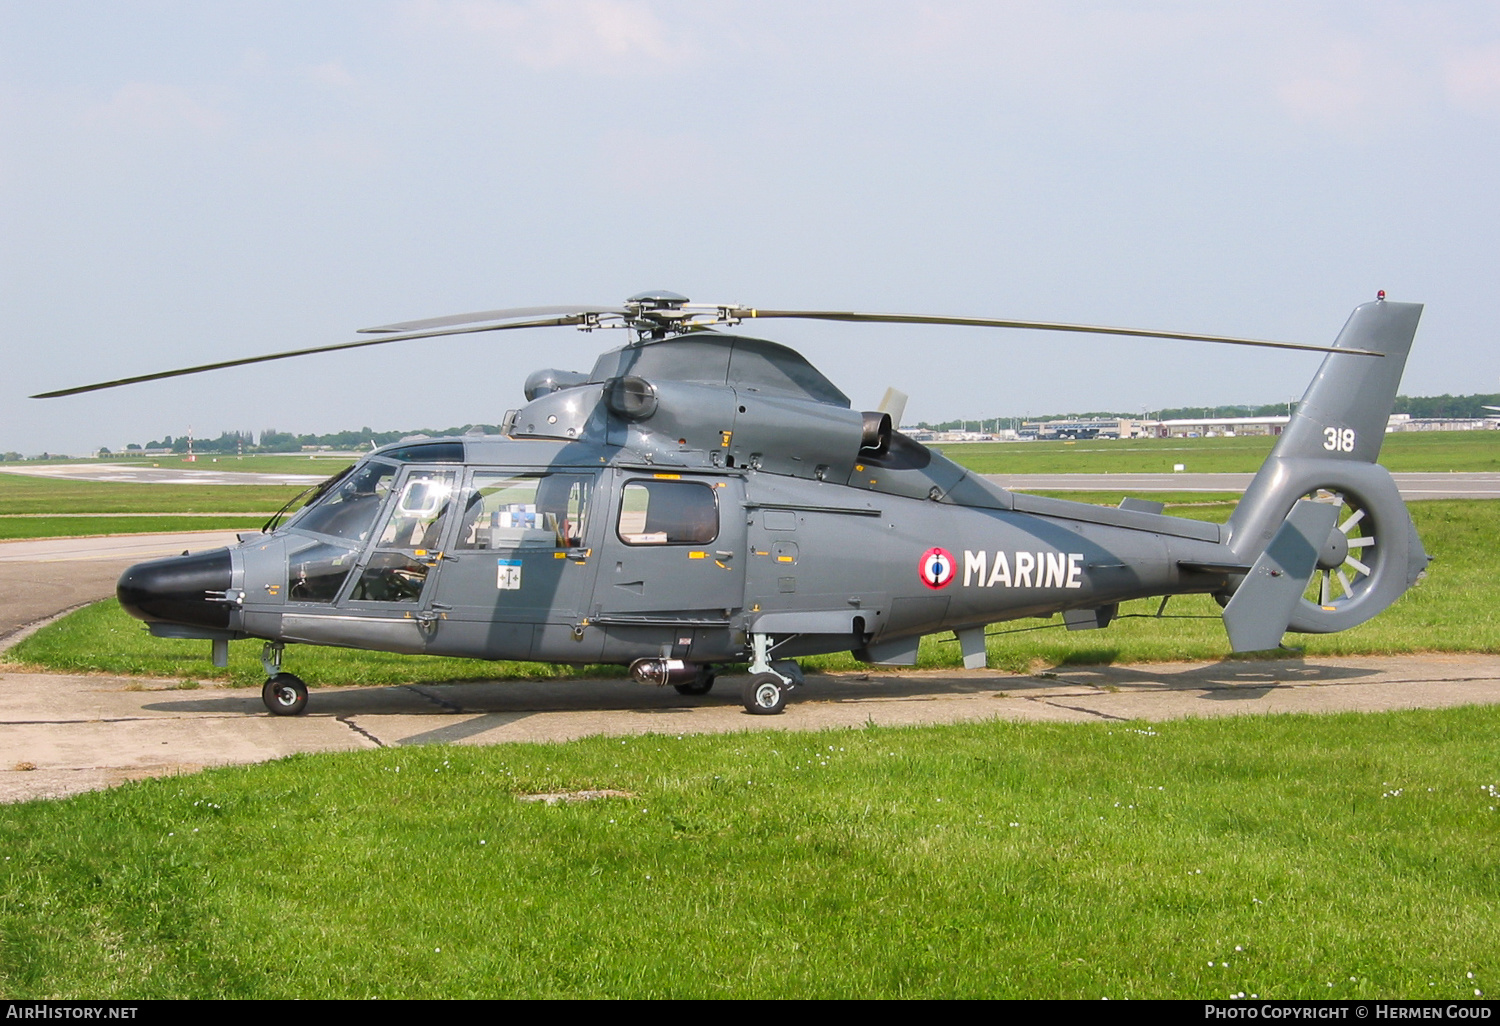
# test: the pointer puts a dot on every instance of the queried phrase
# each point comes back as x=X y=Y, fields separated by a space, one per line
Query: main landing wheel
x=765 y=694
x=701 y=685
x=285 y=695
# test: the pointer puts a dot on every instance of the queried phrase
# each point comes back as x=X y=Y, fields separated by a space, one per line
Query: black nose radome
x=180 y=589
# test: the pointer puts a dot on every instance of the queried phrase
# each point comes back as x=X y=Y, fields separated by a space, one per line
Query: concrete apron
x=62 y=734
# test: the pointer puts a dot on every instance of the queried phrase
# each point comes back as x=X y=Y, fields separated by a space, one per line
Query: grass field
x=1456 y=609
x=1433 y=451
x=79 y=527
x=1281 y=857
x=20 y=494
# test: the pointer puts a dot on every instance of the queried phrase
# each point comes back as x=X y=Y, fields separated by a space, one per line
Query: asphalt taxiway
x=62 y=733
x=1411 y=485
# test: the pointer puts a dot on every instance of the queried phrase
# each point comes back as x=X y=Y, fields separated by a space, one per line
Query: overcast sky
x=188 y=182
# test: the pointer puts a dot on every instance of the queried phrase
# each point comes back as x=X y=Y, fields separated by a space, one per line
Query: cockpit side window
x=397 y=570
x=421 y=511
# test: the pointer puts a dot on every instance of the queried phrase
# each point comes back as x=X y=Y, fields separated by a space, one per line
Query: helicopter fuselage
x=572 y=552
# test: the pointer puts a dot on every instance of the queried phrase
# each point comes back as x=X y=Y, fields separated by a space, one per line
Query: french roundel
x=937 y=568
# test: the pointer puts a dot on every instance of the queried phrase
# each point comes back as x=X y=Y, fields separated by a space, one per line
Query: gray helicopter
x=703 y=498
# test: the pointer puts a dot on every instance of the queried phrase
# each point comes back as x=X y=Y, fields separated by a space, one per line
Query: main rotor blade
x=489 y=315
x=985 y=322
x=575 y=318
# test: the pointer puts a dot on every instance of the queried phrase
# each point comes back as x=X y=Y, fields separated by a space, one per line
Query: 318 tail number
x=1336 y=440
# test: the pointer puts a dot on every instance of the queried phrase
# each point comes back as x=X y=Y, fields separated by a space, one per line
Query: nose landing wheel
x=770 y=680
x=285 y=695
x=765 y=694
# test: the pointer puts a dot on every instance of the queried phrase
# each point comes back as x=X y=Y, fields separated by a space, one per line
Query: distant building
x=1077 y=427
x=1219 y=427
x=1406 y=422
x=1188 y=427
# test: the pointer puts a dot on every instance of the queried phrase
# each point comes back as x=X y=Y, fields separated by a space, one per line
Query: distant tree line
x=271 y=440
x=1458 y=407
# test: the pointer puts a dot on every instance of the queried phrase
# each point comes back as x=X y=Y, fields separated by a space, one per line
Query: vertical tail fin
x=1328 y=451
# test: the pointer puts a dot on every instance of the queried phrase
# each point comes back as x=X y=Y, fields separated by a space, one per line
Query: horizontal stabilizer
x=1258 y=615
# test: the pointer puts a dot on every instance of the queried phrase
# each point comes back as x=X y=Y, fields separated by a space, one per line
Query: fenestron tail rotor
x=1345 y=566
x=660 y=314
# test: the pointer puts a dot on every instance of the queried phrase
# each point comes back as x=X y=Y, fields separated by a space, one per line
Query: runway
x=128 y=474
x=1413 y=486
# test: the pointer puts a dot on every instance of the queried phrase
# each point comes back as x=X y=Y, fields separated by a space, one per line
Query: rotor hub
x=1335 y=550
x=658 y=299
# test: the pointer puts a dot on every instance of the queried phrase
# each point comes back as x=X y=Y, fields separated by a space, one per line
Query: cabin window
x=668 y=513
x=512 y=511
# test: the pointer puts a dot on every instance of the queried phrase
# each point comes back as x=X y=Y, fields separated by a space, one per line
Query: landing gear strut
x=770 y=682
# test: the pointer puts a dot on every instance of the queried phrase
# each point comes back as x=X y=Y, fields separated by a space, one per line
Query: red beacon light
x=1380 y=296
